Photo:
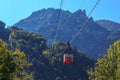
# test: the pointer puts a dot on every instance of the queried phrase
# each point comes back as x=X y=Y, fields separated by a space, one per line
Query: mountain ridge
x=47 y=62
x=45 y=22
x=109 y=25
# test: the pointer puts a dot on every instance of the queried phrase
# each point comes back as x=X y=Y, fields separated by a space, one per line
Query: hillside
x=113 y=27
x=92 y=40
x=48 y=61
x=109 y=25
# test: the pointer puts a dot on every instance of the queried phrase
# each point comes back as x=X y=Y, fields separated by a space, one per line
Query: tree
x=53 y=67
x=107 y=68
x=12 y=64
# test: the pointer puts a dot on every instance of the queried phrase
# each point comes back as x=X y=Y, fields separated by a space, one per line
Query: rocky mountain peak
x=80 y=14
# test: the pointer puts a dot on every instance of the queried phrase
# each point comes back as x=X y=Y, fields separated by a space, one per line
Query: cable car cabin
x=68 y=59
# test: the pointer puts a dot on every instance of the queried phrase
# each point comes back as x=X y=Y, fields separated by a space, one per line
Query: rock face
x=4 y=33
x=109 y=25
x=92 y=40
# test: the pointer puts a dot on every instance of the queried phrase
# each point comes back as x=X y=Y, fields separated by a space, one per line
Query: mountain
x=48 y=61
x=109 y=25
x=91 y=40
x=4 y=32
x=26 y=41
x=113 y=27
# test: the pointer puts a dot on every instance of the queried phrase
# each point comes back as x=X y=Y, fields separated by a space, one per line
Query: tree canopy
x=107 y=68
x=53 y=67
x=12 y=64
x=48 y=60
x=27 y=41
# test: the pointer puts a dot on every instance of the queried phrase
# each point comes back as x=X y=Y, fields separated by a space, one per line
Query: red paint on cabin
x=68 y=59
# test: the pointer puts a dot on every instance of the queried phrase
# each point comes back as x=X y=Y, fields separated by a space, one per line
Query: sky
x=11 y=11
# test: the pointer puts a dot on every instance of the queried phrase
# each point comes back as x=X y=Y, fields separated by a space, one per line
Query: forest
x=26 y=56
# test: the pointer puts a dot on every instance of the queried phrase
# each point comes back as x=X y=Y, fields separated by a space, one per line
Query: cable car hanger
x=68 y=57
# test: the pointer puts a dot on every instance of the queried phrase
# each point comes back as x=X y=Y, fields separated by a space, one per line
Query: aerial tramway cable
x=58 y=21
x=59 y=16
x=68 y=58
x=83 y=25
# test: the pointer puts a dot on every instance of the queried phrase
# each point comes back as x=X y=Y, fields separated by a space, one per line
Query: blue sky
x=11 y=11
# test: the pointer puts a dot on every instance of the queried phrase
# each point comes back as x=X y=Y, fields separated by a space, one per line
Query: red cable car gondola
x=68 y=57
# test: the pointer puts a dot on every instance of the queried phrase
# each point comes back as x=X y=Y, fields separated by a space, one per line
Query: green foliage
x=32 y=44
x=12 y=63
x=107 y=68
x=48 y=62
x=58 y=46
x=26 y=41
x=52 y=67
